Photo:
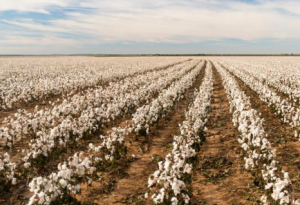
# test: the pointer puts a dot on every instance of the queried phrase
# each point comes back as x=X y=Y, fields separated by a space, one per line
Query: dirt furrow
x=281 y=136
x=131 y=183
x=220 y=177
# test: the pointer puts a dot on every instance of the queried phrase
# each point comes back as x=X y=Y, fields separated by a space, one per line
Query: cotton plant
x=280 y=76
x=168 y=184
x=65 y=181
x=7 y=171
x=107 y=109
x=285 y=108
x=75 y=104
x=25 y=123
x=150 y=113
x=35 y=79
x=258 y=154
x=111 y=146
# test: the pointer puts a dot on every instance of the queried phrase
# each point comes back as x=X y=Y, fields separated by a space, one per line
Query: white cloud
x=30 y=24
x=160 y=20
x=141 y=23
x=39 y=6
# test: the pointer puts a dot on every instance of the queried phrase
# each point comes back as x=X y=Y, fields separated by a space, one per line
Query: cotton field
x=149 y=130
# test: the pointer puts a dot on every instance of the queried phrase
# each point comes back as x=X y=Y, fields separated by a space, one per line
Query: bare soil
x=220 y=177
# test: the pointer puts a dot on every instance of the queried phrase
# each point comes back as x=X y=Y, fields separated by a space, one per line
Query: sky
x=148 y=27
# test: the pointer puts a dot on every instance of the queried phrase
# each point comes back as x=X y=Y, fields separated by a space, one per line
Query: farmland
x=149 y=130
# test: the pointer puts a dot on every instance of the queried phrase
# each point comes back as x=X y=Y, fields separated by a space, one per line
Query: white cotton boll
x=284 y=198
x=160 y=165
x=14 y=181
x=241 y=141
x=248 y=163
x=186 y=198
x=255 y=155
x=91 y=146
x=296 y=202
x=269 y=185
x=167 y=164
x=176 y=186
x=286 y=175
x=264 y=200
x=9 y=144
x=159 y=198
x=63 y=183
x=187 y=168
x=77 y=188
x=245 y=146
x=41 y=197
x=130 y=130
x=6 y=157
x=156 y=173
x=107 y=157
x=146 y=195
x=174 y=201
x=89 y=181
x=1 y=165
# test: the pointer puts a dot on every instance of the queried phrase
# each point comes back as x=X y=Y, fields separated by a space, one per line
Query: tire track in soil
x=220 y=177
x=132 y=184
x=280 y=135
x=22 y=193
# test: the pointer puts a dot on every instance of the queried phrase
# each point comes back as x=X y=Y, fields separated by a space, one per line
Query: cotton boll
x=174 y=201
x=187 y=168
x=14 y=181
x=264 y=200
x=296 y=134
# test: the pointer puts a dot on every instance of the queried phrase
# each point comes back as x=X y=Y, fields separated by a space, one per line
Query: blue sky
x=156 y=26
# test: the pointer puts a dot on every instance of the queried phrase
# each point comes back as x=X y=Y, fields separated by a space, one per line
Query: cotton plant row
x=66 y=180
x=168 y=185
x=76 y=170
x=79 y=169
x=7 y=171
x=172 y=94
x=281 y=73
x=25 y=79
x=29 y=124
x=167 y=97
x=259 y=156
x=288 y=113
x=89 y=121
x=150 y=113
x=281 y=78
x=110 y=145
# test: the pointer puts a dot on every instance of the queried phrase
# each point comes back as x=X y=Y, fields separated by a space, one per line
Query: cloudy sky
x=152 y=26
